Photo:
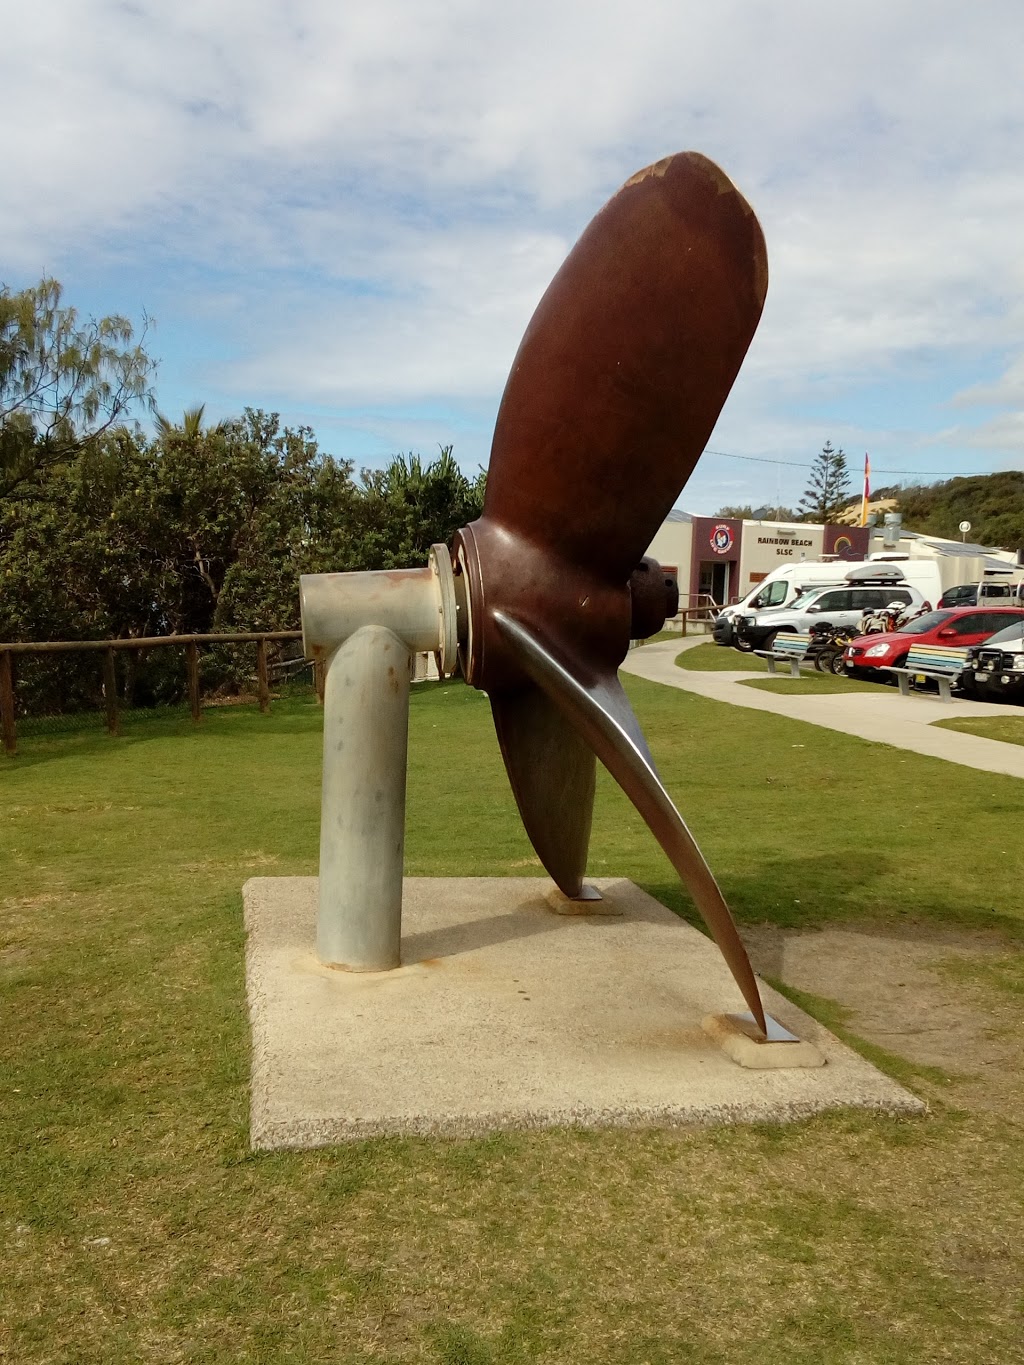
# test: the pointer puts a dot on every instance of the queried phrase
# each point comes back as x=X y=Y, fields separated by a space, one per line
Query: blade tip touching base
x=741 y=1038
x=587 y=901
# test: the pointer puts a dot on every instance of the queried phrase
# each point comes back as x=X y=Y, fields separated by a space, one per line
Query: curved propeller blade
x=602 y=715
x=552 y=774
x=626 y=364
x=613 y=394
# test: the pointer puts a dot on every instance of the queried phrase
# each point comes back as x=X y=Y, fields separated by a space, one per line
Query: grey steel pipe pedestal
x=366 y=627
x=362 y=824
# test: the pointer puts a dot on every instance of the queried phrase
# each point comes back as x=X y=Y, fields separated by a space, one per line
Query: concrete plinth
x=506 y=1015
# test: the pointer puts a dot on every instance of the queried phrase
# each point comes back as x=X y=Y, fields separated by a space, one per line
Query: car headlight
x=876 y=651
x=1018 y=661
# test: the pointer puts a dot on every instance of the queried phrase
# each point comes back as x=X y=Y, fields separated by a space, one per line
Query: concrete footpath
x=881 y=715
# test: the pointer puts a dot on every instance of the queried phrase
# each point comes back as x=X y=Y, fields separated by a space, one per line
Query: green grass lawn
x=137 y=1225
x=1009 y=729
x=811 y=684
x=711 y=658
x=708 y=658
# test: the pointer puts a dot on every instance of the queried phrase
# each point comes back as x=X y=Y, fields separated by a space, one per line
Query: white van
x=785 y=584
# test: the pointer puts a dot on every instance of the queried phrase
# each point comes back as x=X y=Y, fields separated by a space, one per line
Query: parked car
x=836 y=606
x=961 y=626
x=995 y=669
x=988 y=593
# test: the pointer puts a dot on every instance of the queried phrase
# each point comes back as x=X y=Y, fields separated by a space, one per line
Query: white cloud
x=360 y=203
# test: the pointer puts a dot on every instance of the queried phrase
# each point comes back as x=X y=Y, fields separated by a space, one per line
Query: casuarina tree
x=64 y=382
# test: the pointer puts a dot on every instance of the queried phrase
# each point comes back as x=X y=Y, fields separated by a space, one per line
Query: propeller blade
x=552 y=775
x=613 y=395
x=602 y=715
x=626 y=364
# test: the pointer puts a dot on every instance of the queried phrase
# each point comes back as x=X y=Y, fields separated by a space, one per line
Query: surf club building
x=721 y=558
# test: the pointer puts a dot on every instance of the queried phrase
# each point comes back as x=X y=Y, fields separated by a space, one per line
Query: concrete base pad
x=505 y=1014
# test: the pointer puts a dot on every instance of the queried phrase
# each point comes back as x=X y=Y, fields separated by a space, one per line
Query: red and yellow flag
x=867 y=491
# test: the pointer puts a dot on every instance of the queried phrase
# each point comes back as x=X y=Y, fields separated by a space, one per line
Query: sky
x=345 y=211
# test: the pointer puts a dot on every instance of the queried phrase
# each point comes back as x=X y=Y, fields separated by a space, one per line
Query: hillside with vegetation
x=992 y=503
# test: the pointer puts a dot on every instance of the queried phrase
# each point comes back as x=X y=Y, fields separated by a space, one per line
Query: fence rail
x=45 y=698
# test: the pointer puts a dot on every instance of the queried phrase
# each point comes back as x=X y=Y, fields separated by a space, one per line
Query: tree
x=828 y=488
x=746 y=512
x=64 y=382
x=203 y=529
x=190 y=426
x=409 y=506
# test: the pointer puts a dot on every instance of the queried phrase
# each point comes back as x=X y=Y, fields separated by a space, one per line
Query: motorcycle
x=887 y=619
x=828 y=644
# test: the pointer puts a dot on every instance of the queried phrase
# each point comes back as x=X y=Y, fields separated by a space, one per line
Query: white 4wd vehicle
x=834 y=606
x=995 y=669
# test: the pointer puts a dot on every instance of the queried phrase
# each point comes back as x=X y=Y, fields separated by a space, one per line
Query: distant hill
x=992 y=503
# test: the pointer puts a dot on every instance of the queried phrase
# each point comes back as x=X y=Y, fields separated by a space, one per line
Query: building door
x=714 y=581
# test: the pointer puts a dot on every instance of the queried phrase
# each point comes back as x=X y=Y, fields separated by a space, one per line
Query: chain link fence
x=63 y=687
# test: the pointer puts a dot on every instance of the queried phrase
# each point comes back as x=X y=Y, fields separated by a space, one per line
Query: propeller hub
x=654 y=598
x=499 y=569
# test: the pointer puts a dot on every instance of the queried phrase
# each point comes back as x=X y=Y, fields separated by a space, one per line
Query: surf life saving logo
x=721 y=539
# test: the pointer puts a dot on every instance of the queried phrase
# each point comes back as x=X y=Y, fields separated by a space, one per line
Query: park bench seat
x=941 y=664
x=789 y=648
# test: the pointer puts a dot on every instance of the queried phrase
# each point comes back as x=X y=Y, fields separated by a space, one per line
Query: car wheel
x=769 y=640
x=743 y=644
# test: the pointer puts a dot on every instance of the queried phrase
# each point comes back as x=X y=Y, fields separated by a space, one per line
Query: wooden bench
x=788 y=648
x=941 y=664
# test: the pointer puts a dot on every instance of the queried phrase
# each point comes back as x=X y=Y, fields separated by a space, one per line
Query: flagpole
x=865 y=499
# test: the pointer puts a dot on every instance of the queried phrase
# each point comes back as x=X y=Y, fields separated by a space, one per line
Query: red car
x=951 y=626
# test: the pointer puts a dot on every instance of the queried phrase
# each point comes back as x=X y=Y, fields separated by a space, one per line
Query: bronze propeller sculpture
x=614 y=392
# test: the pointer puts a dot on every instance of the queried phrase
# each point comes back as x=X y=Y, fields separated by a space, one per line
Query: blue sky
x=346 y=212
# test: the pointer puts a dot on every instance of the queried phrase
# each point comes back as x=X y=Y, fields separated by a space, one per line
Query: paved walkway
x=883 y=715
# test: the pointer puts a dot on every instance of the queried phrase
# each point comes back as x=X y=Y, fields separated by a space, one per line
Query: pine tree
x=828 y=488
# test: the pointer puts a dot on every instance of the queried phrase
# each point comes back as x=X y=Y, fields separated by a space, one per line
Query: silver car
x=834 y=606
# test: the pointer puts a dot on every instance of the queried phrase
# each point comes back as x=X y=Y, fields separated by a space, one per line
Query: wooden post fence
x=262 y=680
x=110 y=693
x=192 y=668
x=8 y=728
x=10 y=734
